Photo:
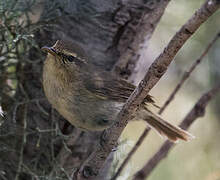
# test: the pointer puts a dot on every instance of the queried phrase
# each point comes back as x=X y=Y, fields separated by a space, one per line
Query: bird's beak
x=50 y=50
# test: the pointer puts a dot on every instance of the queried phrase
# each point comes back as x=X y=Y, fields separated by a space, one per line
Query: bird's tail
x=173 y=133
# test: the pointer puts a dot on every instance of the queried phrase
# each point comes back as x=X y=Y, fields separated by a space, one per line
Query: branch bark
x=155 y=72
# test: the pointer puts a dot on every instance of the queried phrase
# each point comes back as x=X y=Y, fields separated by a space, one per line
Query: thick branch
x=155 y=72
x=197 y=111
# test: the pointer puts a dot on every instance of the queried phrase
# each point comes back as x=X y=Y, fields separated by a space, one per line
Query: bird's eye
x=71 y=58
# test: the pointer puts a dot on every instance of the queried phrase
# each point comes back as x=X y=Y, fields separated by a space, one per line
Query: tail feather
x=172 y=132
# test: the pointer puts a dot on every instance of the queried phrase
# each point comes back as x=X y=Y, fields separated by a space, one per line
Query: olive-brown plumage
x=88 y=97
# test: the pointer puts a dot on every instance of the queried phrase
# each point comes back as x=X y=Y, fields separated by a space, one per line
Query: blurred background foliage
x=197 y=159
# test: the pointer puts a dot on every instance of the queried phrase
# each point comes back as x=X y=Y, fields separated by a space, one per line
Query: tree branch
x=197 y=111
x=188 y=73
x=155 y=72
x=184 y=78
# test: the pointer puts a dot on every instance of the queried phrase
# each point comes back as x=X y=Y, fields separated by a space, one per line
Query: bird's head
x=66 y=54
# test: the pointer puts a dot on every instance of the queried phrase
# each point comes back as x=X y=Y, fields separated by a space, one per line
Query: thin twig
x=21 y=103
x=197 y=111
x=41 y=108
x=24 y=135
x=188 y=73
x=134 y=149
x=155 y=72
x=29 y=171
x=65 y=151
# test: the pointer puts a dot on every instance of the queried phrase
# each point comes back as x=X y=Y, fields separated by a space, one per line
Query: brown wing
x=107 y=86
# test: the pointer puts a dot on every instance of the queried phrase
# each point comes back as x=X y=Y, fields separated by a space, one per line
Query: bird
x=89 y=97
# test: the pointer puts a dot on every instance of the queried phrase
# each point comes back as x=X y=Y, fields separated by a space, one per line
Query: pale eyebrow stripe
x=71 y=54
